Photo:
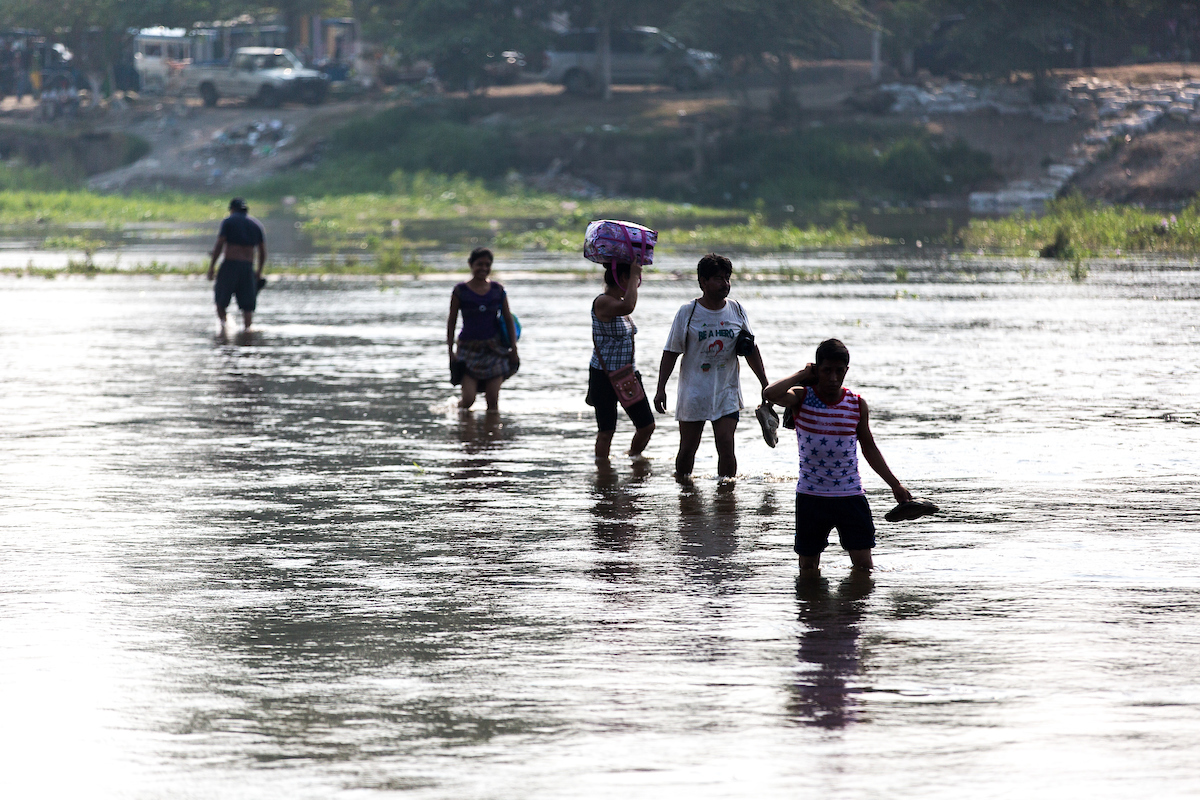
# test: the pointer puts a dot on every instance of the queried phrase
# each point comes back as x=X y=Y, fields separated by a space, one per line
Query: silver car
x=639 y=55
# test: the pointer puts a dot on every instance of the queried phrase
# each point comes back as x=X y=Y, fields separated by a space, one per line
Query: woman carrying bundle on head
x=487 y=352
x=622 y=247
x=612 y=354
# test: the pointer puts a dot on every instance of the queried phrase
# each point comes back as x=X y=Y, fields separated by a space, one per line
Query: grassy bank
x=428 y=211
x=735 y=163
x=21 y=208
x=1074 y=228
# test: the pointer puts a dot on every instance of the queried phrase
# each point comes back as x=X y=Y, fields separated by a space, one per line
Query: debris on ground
x=253 y=140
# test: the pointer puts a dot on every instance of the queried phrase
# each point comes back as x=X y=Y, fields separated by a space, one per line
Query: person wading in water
x=240 y=238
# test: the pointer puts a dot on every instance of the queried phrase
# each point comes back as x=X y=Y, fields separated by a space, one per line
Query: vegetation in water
x=1074 y=228
x=65 y=207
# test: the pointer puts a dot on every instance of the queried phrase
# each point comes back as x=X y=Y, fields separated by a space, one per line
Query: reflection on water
x=708 y=533
x=829 y=649
x=285 y=565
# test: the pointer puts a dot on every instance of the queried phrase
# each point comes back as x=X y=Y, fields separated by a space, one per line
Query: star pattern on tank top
x=827 y=461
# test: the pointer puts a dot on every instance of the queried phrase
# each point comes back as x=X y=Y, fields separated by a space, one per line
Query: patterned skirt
x=485 y=358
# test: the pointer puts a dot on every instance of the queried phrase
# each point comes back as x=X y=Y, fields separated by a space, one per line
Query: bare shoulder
x=795 y=396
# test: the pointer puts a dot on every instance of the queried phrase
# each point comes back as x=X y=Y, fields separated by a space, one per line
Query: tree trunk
x=95 y=80
x=876 y=55
x=785 y=98
x=604 y=48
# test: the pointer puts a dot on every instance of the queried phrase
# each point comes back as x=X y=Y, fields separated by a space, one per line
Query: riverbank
x=437 y=218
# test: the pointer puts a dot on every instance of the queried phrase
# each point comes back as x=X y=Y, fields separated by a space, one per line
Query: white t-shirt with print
x=710 y=386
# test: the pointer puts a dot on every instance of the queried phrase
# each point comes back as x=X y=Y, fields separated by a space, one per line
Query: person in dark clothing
x=240 y=238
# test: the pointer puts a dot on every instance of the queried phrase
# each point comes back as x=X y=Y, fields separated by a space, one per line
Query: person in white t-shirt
x=705 y=333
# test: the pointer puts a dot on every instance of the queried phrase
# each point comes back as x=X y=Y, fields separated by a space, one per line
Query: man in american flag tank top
x=832 y=423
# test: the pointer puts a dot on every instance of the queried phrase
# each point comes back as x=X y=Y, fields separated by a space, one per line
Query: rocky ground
x=209 y=149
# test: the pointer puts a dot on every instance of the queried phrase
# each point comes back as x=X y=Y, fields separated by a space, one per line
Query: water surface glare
x=282 y=566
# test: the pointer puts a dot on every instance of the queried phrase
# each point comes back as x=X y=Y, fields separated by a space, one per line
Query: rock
x=1018 y=196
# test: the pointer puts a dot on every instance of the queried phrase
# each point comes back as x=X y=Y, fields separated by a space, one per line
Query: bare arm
x=665 y=368
x=787 y=391
x=871 y=453
x=218 y=248
x=755 y=362
x=451 y=322
x=262 y=257
x=609 y=308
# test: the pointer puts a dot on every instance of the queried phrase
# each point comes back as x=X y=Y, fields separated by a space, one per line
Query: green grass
x=843 y=162
x=58 y=208
x=754 y=235
x=429 y=210
x=1074 y=228
x=16 y=176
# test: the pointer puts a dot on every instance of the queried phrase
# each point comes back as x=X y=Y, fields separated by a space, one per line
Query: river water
x=282 y=566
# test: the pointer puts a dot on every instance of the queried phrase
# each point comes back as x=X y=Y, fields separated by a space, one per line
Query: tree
x=769 y=32
x=96 y=31
x=906 y=25
x=457 y=36
x=998 y=37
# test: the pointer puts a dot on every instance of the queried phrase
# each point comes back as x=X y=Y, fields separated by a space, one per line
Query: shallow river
x=282 y=566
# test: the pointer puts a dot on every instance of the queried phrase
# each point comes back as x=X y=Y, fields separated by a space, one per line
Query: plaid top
x=615 y=340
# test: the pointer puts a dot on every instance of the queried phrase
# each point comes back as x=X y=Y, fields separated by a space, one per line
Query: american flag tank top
x=828 y=440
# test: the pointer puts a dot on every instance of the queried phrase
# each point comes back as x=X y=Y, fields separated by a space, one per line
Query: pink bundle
x=610 y=242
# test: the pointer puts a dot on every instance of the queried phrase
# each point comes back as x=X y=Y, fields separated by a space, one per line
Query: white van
x=157 y=53
x=639 y=55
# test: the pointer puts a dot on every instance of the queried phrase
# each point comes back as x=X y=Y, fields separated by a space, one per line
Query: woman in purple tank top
x=481 y=357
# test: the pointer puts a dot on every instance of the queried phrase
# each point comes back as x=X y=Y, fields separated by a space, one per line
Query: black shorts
x=236 y=278
x=816 y=516
x=603 y=398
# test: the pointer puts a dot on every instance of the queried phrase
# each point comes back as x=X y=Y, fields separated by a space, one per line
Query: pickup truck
x=265 y=75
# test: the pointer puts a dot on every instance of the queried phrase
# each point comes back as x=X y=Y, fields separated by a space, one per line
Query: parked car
x=639 y=55
x=266 y=75
x=504 y=68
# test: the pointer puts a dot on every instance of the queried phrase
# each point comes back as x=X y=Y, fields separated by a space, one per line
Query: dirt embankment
x=201 y=149
x=194 y=148
x=69 y=153
x=1160 y=168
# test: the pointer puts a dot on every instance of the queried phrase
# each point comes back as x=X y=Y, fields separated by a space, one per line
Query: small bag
x=626 y=383
x=503 y=329
x=744 y=344
x=458 y=368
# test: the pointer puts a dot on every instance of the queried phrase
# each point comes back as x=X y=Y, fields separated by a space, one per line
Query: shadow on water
x=829 y=650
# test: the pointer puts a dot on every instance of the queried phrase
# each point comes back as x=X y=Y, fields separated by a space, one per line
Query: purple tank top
x=479 y=311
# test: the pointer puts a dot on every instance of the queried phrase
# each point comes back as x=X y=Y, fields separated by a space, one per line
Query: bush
x=806 y=168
